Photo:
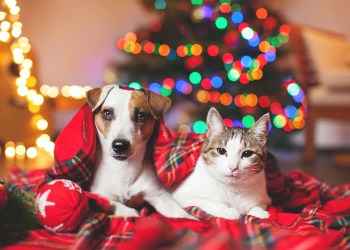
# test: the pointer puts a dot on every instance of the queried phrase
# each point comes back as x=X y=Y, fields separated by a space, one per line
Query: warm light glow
x=42 y=140
x=5 y=25
x=53 y=92
x=4 y=36
x=10 y=152
x=20 y=150
x=42 y=124
x=32 y=152
x=27 y=63
x=38 y=100
x=22 y=91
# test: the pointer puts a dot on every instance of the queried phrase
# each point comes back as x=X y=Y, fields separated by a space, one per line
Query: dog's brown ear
x=95 y=97
x=157 y=104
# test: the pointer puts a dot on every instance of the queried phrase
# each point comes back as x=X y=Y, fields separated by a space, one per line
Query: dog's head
x=125 y=119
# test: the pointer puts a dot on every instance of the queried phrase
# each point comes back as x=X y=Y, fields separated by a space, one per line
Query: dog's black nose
x=120 y=146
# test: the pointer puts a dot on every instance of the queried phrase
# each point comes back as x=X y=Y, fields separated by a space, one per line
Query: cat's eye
x=221 y=151
x=107 y=114
x=247 y=153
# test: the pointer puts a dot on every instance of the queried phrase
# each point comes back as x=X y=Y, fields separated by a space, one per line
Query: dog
x=126 y=121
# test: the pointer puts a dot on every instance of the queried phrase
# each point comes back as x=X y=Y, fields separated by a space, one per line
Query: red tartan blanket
x=306 y=213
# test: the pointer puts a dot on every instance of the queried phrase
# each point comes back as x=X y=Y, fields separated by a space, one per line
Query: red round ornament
x=62 y=205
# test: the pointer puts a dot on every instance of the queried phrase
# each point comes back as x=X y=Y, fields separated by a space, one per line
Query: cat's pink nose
x=234 y=169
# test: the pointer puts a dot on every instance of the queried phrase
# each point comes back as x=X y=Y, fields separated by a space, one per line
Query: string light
x=11 y=30
x=239 y=69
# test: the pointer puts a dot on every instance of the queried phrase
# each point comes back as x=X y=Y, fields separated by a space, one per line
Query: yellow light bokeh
x=42 y=124
x=32 y=152
x=10 y=152
x=20 y=150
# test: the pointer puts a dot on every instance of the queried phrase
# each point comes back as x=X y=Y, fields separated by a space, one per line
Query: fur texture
x=228 y=179
x=125 y=122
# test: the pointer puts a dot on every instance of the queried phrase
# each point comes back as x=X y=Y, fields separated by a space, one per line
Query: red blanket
x=306 y=213
x=318 y=218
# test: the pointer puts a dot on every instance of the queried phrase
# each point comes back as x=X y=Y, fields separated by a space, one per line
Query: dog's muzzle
x=120 y=148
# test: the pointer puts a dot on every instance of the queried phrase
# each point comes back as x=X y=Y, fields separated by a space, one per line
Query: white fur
x=130 y=182
x=223 y=189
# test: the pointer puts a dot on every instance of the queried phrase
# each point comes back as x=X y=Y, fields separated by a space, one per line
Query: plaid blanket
x=306 y=213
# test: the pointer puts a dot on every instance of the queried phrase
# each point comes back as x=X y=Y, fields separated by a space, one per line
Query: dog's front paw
x=120 y=209
x=226 y=213
x=259 y=213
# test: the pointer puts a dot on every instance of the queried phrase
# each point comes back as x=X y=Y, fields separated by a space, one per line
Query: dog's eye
x=221 y=151
x=140 y=116
x=247 y=153
x=107 y=114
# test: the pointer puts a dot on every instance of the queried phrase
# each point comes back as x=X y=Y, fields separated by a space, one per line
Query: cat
x=228 y=179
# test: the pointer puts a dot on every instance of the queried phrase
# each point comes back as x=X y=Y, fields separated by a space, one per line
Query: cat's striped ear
x=215 y=124
x=261 y=128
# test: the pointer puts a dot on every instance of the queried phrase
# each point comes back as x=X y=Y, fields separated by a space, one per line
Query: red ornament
x=62 y=205
x=3 y=196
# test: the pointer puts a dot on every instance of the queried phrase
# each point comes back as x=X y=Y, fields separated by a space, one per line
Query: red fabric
x=78 y=134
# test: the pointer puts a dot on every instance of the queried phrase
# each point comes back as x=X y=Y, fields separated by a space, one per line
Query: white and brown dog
x=125 y=121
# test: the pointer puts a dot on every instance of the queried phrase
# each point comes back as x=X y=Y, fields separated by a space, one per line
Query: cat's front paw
x=259 y=213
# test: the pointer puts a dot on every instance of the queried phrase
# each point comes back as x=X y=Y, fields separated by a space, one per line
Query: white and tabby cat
x=228 y=179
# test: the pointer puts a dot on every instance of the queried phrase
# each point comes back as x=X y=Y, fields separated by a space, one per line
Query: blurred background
x=246 y=58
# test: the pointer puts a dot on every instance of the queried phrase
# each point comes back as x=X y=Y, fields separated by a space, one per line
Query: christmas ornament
x=62 y=205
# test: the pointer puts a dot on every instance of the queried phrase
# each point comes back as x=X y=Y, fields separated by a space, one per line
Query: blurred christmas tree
x=220 y=53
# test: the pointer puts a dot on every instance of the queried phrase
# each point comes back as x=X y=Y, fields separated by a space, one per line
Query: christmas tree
x=222 y=53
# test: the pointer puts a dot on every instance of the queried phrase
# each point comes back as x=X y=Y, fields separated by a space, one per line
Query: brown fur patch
x=92 y=96
x=102 y=125
x=138 y=101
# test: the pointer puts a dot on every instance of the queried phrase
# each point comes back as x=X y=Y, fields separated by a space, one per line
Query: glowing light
x=214 y=96
x=237 y=17
x=165 y=91
x=213 y=50
x=206 y=84
x=135 y=85
x=53 y=92
x=234 y=74
x=279 y=121
x=20 y=150
x=227 y=58
x=221 y=23
x=32 y=152
x=199 y=127
x=216 y=82
x=293 y=89
x=276 y=108
x=160 y=4
x=10 y=152
x=197 y=2
x=290 y=111
x=4 y=36
x=155 y=87
x=38 y=100
x=247 y=33
x=261 y=13
x=195 y=77
x=196 y=49
x=182 y=51
x=246 y=61
x=42 y=124
x=264 y=101
x=203 y=96
x=164 y=50
x=168 y=83
x=226 y=99
x=42 y=140
x=225 y=8
x=5 y=25
x=248 y=121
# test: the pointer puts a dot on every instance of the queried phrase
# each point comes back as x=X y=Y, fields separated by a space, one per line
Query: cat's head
x=235 y=154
